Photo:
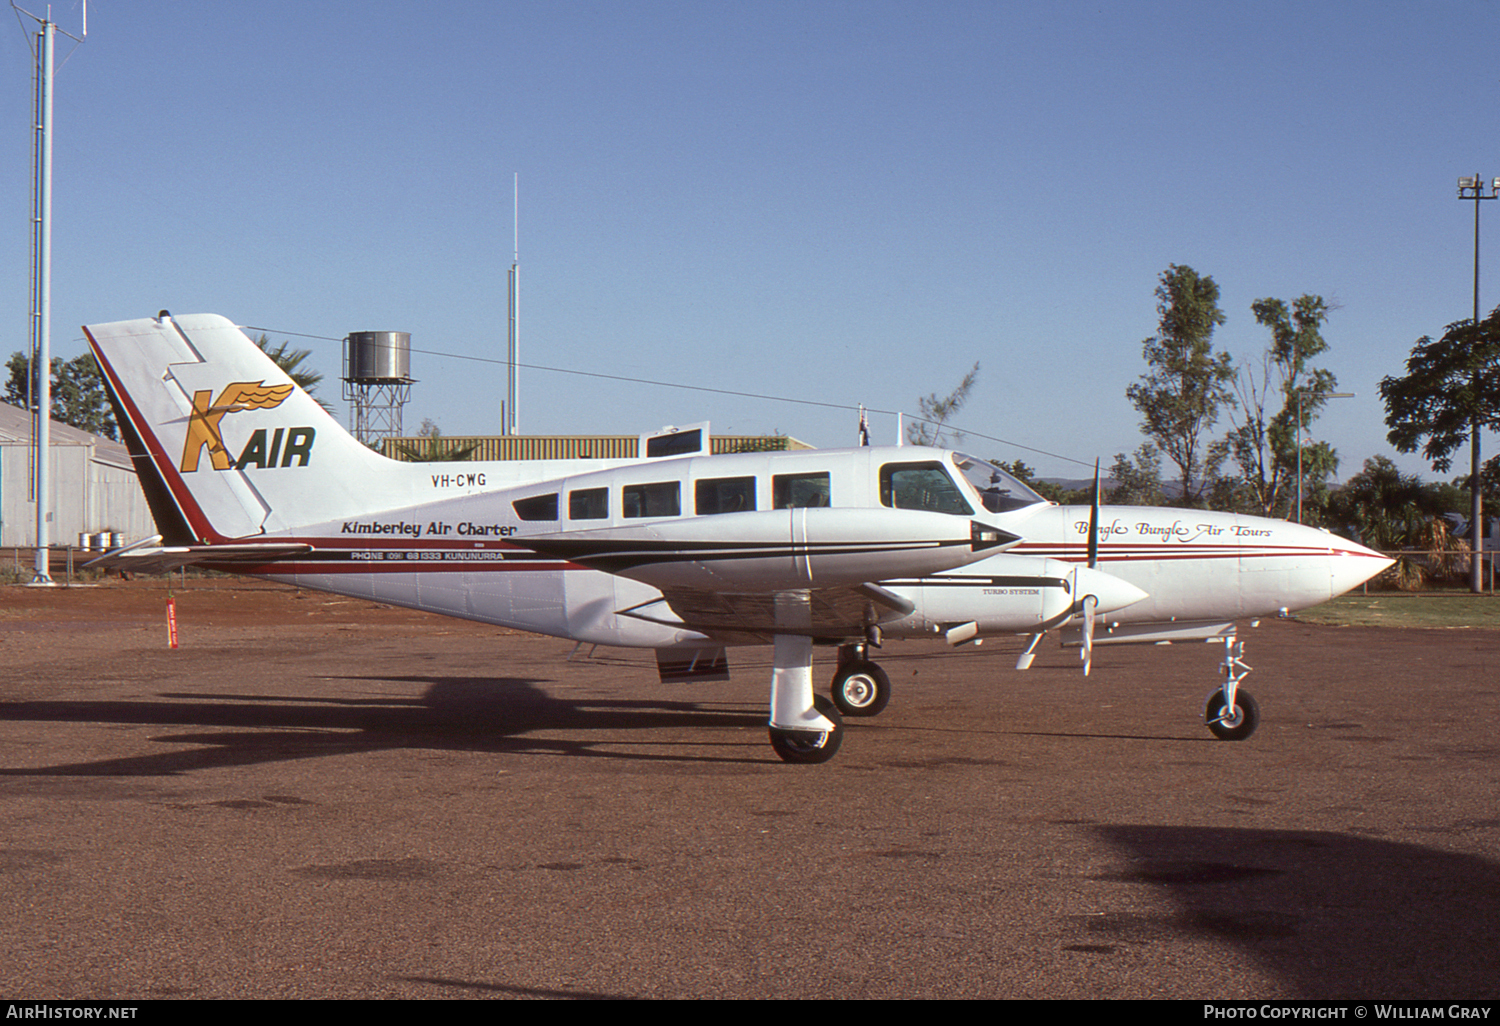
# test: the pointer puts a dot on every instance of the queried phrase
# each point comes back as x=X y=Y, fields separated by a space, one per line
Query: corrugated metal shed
x=94 y=487
x=562 y=447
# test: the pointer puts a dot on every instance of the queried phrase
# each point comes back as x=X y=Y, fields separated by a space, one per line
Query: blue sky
x=837 y=202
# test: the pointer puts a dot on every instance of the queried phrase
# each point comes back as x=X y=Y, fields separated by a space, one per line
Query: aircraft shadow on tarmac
x=492 y=714
x=1332 y=915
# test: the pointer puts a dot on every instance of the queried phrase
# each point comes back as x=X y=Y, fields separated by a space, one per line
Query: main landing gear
x=860 y=687
x=810 y=746
x=1232 y=713
x=808 y=728
x=804 y=728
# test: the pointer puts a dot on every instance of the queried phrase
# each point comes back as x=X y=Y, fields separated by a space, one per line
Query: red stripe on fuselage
x=523 y=560
x=1075 y=553
x=384 y=567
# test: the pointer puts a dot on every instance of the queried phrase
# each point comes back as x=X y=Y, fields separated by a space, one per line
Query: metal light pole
x=41 y=284
x=1297 y=389
x=1474 y=188
x=41 y=303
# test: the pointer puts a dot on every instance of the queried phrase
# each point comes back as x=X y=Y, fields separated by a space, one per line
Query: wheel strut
x=1232 y=714
x=804 y=728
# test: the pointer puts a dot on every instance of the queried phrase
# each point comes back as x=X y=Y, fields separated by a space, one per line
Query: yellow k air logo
x=203 y=425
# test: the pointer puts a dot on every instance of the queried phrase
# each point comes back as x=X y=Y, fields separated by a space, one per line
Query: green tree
x=1450 y=392
x=1263 y=443
x=1450 y=385
x=928 y=430
x=1189 y=383
x=1138 y=480
x=78 y=395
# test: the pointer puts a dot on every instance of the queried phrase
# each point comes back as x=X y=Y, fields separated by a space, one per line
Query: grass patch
x=1399 y=609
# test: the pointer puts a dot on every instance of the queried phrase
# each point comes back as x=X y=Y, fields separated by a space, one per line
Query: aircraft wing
x=836 y=612
x=151 y=557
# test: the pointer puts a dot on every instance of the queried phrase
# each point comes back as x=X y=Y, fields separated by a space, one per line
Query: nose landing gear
x=1232 y=714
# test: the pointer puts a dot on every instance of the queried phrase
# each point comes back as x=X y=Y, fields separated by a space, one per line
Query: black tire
x=861 y=689
x=1241 y=724
x=810 y=746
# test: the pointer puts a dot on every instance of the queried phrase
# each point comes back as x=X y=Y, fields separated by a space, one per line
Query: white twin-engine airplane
x=681 y=551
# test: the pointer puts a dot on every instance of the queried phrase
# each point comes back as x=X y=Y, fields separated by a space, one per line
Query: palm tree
x=1399 y=515
x=291 y=361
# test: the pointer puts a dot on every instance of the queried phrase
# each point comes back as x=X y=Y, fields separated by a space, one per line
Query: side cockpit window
x=924 y=486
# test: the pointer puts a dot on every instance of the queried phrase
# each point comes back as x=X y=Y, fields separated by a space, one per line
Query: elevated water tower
x=377 y=382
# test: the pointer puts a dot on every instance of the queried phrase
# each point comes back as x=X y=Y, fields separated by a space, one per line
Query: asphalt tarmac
x=314 y=797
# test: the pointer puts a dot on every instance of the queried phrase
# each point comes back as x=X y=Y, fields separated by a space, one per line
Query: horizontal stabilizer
x=151 y=557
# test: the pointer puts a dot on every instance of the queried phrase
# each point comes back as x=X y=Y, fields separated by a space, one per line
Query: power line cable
x=693 y=388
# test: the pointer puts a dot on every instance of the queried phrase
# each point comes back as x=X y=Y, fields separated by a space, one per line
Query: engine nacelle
x=779 y=550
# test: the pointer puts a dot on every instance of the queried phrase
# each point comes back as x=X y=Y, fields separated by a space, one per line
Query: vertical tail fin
x=225 y=443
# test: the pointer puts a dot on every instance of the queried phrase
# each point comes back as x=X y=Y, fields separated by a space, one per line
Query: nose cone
x=1111 y=591
x=1352 y=565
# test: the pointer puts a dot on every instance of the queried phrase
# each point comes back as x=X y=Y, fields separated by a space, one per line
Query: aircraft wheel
x=1240 y=724
x=861 y=689
x=810 y=746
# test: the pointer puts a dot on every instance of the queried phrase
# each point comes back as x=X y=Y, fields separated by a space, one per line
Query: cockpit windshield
x=1000 y=490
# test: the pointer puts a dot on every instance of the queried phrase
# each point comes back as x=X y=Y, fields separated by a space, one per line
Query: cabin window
x=921 y=486
x=799 y=491
x=724 y=495
x=680 y=444
x=588 y=504
x=537 y=507
x=662 y=499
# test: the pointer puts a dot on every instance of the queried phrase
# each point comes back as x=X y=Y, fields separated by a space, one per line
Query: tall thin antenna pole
x=513 y=334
